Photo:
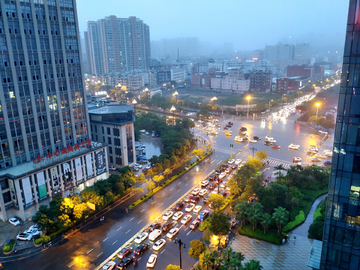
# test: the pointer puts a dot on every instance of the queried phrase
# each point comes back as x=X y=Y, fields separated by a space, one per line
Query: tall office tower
x=117 y=45
x=44 y=134
x=302 y=51
x=341 y=238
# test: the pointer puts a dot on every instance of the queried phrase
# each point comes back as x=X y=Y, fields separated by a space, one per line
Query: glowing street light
x=214 y=99
x=317 y=109
x=270 y=104
x=134 y=102
x=248 y=99
x=175 y=95
x=173 y=109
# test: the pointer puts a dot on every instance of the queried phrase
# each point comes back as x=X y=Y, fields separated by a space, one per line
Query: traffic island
x=9 y=247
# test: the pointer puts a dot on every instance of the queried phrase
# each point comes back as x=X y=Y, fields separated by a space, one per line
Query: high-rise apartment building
x=46 y=149
x=117 y=45
x=341 y=238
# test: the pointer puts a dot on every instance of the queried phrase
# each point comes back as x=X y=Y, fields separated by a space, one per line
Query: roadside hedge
x=300 y=218
x=9 y=246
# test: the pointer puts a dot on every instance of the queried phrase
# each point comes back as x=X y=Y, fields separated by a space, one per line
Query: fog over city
x=245 y=25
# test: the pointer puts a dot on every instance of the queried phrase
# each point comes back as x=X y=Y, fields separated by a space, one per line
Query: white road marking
x=139 y=259
x=188 y=232
x=153 y=202
x=72 y=265
x=90 y=251
x=161 y=204
x=162 y=251
x=105 y=239
x=186 y=184
x=171 y=189
x=142 y=210
x=163 y=195
x=170 y=197
x=100 y=254
x=139 y=221
x=128 y=231
x=119 y=228
x=131 y=219
x=114 y=242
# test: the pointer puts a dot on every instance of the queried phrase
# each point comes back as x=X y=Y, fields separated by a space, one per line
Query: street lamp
x=134 y=102
x=248 y=99
x=269 y=104
x=317 y=109
x=214 y=99
x=253 y=149
x=181 y=244
x=173 y=109
x=282 y=100
x=176 y=94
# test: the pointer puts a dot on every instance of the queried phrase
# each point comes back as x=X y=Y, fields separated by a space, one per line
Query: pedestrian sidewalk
x=292 y=255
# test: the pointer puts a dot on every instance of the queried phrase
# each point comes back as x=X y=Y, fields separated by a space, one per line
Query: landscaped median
x=270 y=236
x=169 y=181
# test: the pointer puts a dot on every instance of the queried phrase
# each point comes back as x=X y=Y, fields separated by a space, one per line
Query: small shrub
x=38 y=241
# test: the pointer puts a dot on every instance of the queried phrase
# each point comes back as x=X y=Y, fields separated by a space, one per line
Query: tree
x=219 y=224
x=261 y=154
x=255 y=214
x=312 y=118
x=158 y=168
x=149 y=185
x=253 y=265
x=254 y=164
x=167 y=172
x=316 y=229
x=266 y=222
x=207 y=260
x=234 y=186
x=198 y=152
x=166 y=163
x=158 y=178
x=197 y=247
x=80 y=210
x=140 y=179
x=216 y=201
x=231 y=259
x=280 y=217
x=64 y=221
x=172 y=267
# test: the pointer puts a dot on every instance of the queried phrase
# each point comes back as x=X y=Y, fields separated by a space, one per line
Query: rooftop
x=315 y=255
x=110 y=109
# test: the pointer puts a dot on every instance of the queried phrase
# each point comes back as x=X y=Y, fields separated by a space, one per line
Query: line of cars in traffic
x=180 y=214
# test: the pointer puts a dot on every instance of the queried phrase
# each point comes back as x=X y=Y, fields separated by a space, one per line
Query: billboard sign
x=79 y=173
x=12 y=191
x=89 y=166
x=67 y=174
x=100 y=161
x=27 y=190
x=41 y=184
x=55 y=177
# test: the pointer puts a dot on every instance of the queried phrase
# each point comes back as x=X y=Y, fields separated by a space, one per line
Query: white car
x=320 y=156
x=138 y=165
x=142 y=130
x=24 y=236
x=178 y=215
x=14 y=221
x=189 y=207
x=222 y=175
x=328 y=153
x=109 y=266
x=173 y=232
x=203 y=192
x=222 y=185
x=252 y=141
x=112 y=168
x=238 y=161
x=195 y=192
x=168 y=215
x=197 y=209
x=271 y=139
x=267 y=137
x=159 y=244
x=231 y=161
x=147 y=133
x=238 y=139
x=294 y=146
x=32 y=231
x=35 y=227
x=313 y=148
x=141 y=237
x=154 y=234
x=204 y=183
x=297 y=159
x=151 y=261
x=186 y=219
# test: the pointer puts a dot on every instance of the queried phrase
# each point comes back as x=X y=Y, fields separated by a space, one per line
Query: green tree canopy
x=197 y=247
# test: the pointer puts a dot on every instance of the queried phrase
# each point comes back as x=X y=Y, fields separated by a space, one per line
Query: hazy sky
x=247 y=24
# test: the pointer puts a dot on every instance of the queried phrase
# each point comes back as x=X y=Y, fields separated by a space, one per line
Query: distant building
x=303 y=71
x=135 y=82
x=114 y=126
x=117 y=45
x=302 y=51
x=260 y=80
x=174 y=74
x=285 y=84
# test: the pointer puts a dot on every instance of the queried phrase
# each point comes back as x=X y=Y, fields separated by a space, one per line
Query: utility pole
x=181 y=244
x=253 y=149
x=231 y=146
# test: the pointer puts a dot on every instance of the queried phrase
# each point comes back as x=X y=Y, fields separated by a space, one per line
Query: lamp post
x=175 y=95
x=173 y=109
x=134 y=102
x=282 y=100
x=248 y=99
x=181 y=244
x=253 y=149
x=317 y=109
x=214 y=99
x=269 y=104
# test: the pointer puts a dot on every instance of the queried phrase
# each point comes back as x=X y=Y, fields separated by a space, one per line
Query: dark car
x=179 y=206
x=154 y=226
x=225 y=128
x=218 y=171
x=188 y=198
x=195 y=199
x=231 y=123
x=224 y=166
x=234 y=166
x=223 y=192
x=267 y=143
x=211 y=186
x=166 y=227
x=212 y=177
x=141 y=249
x=203 y=214
x=243 y=129
x=257 y=138
x=205 y=198
x=125 y=263
x=195 y=224
x=124 y=252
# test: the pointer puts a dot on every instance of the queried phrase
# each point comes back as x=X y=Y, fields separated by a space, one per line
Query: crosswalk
x=245 y=154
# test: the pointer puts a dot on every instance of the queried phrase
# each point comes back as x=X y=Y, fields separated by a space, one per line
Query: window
x=117 y=151
x=111 y=159
x=7 y=197
x=118 y=161
x=4 y=184
x=108 y=131
x=96 y=129
x=110 y=150
x=117 y=142
x=109 y=140
x=116 y=132
x=102 y=128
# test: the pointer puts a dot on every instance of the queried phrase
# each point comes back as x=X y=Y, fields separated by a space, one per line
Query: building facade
x=117 y=45
x=43 y=106
x=260 y=80
x=285 y=84
x=114 y=126
x=341 y=238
